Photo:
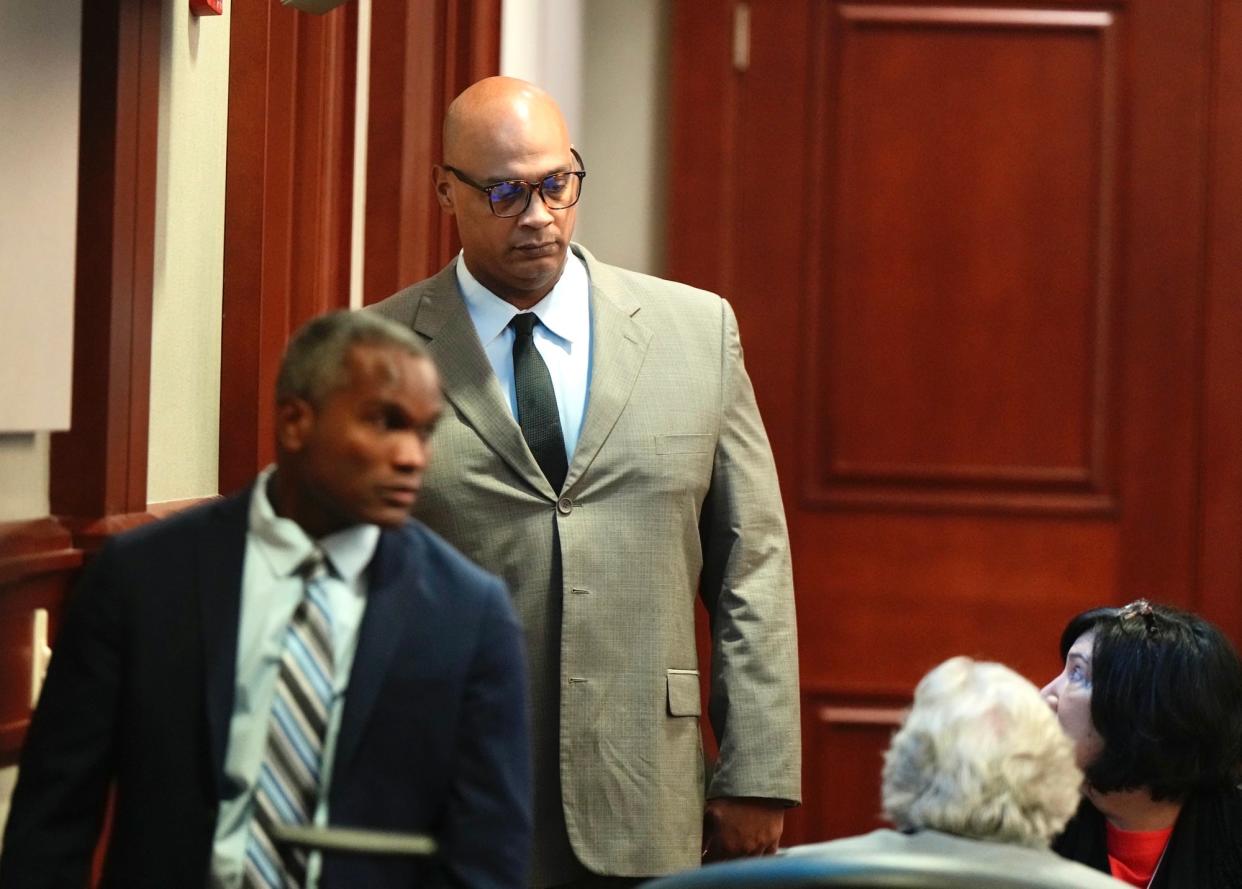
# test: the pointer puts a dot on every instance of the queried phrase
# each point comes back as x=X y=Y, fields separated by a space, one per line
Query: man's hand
x=741 y=826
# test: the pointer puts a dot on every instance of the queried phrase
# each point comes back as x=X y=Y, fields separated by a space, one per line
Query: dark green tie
x=536 y=402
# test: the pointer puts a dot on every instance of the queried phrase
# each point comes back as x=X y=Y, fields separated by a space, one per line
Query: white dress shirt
x=271 y=590
x=563 y=338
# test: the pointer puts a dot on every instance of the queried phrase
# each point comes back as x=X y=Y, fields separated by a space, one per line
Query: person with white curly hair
x=978 y=773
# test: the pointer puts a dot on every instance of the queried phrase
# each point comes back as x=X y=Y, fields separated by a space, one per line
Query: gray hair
x=981 y=755
x=314 y=362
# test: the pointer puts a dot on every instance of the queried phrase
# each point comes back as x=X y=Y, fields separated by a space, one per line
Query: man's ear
x=444 y=188
x=295 y=418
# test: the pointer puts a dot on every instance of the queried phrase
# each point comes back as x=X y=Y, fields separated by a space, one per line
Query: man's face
x=359 y=456
x=1069 y=696
x=518 y=258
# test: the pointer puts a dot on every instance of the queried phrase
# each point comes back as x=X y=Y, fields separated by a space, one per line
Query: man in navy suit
x=178 y=653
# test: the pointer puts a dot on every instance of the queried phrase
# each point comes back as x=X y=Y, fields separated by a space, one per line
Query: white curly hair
x=981 y=755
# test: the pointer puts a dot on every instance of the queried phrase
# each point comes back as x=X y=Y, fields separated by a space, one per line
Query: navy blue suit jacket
x=434 y=736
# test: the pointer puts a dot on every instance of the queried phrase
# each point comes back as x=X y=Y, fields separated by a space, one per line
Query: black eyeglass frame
x=531 y=187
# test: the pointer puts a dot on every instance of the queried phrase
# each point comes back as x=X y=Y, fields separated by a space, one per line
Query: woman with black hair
x=1152 y=698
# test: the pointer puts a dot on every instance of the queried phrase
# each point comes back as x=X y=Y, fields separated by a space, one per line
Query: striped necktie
x=288 y=787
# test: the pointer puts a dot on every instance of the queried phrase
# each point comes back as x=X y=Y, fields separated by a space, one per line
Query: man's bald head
x=499 y=111
x=500 y=129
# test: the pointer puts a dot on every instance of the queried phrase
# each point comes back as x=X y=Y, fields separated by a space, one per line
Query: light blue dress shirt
x=271 y=591
x=563 y=338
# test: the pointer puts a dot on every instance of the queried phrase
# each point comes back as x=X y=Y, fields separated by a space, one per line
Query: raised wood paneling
x=843 y=741
x=288 y=205
x=1004 y=237
x=423 y=53
x=960 y=280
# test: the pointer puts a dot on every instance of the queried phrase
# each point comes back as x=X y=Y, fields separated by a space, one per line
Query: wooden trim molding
x=288 y=197
x=423 y=53
x=99 y=467
x=39 y=546
x=38 y=563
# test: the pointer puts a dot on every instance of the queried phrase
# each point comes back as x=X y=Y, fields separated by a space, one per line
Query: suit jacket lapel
x=467 y=377
x=394 y=587
x=620 y=344
x=221 y=553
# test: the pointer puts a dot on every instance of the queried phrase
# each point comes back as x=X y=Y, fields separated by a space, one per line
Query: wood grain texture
x=986 y=267
x=1220 y=480
x=288 y=205
x=958 y=353
x=423 y=53
x=99 y=467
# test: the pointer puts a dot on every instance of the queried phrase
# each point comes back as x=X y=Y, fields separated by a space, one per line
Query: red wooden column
x=99 y=467
x=288 y=195
x=423 y=53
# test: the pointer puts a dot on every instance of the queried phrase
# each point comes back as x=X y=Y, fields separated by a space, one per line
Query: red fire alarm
x=207 y=7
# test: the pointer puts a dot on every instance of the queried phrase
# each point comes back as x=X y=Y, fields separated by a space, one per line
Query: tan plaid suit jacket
x=671 y=490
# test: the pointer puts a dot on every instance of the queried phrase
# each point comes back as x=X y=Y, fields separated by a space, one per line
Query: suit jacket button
x=564 y=506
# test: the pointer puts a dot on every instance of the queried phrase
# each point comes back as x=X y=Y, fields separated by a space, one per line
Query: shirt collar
x=285 y=546
x=565 y=311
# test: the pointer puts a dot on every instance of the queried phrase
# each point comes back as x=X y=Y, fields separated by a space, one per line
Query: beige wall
x=39 y=75
x=8 y=777
x=23 y=476
x=611 y=83
x=40 y=52
x=189 y=255
x=625 y=75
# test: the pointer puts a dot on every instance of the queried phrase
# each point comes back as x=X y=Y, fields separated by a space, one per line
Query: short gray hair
x=314 y=362
x=981 y=755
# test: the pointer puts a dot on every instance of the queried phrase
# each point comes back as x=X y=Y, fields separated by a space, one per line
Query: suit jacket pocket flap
x=683 y=693
x=684 y=443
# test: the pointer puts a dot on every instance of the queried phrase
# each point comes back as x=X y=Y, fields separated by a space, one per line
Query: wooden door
x=966 y=246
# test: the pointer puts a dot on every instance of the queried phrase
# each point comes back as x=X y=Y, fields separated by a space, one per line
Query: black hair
x=1166 y=697
x=314 y=364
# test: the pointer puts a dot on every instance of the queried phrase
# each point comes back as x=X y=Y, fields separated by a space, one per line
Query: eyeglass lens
x=559 y=191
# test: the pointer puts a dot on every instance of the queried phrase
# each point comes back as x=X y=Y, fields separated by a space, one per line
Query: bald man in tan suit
x=665 y=489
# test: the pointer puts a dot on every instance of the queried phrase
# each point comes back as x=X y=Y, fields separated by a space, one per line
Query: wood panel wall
x=288 y=206
x=423 y=53
x=979 y=255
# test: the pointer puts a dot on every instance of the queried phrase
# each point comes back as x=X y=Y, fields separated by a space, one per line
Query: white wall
x=551 y=56
x=183 y=448
x=622 y=140
x=24 y=465
x=40 y=64
x=606 y=65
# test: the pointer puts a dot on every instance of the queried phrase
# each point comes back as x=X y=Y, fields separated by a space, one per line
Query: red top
x=1133 y=855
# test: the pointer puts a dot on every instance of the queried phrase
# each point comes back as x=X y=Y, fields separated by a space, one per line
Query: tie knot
x=313 y=566
x=523 y=323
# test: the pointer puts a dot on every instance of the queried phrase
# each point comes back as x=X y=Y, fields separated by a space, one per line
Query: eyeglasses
x=511 y=197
